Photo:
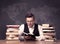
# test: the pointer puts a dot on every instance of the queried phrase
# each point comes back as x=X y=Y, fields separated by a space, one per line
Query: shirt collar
x=31 y=27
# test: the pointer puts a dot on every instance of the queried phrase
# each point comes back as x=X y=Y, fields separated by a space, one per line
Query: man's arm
x=21 y=29
x=41 y=37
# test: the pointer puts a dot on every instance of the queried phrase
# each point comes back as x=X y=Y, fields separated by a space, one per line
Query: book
x=28 y=34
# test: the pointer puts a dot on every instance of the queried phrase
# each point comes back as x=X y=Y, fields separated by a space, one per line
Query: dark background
x=45 y=11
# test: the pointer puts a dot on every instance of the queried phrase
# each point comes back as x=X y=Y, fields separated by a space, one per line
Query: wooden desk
x=28 y=42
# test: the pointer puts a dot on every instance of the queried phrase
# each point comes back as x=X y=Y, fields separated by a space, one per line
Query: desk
x=28 y=42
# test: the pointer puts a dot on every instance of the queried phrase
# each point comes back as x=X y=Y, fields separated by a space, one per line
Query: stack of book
x=49 y=32
x=12 y=32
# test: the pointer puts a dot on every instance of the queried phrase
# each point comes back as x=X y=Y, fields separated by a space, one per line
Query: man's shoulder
x=38 y=24
x=22 y=25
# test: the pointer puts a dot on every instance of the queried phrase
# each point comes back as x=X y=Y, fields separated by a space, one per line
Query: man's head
x=30 y=19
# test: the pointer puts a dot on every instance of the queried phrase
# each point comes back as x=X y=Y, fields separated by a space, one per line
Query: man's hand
x=27 y=37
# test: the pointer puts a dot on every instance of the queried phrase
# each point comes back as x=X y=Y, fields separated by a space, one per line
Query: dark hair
x=29 y=15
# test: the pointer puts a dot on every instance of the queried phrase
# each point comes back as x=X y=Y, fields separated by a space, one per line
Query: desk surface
x=28 y=42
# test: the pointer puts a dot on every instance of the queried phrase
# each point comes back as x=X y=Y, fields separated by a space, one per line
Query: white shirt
x=21 y=30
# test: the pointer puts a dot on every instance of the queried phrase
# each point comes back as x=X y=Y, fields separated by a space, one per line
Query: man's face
x=30 y=21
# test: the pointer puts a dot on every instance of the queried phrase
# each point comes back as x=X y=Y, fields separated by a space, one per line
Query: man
x=30 y=28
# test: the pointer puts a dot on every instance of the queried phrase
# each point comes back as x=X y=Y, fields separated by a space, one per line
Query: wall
x=14 y=11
